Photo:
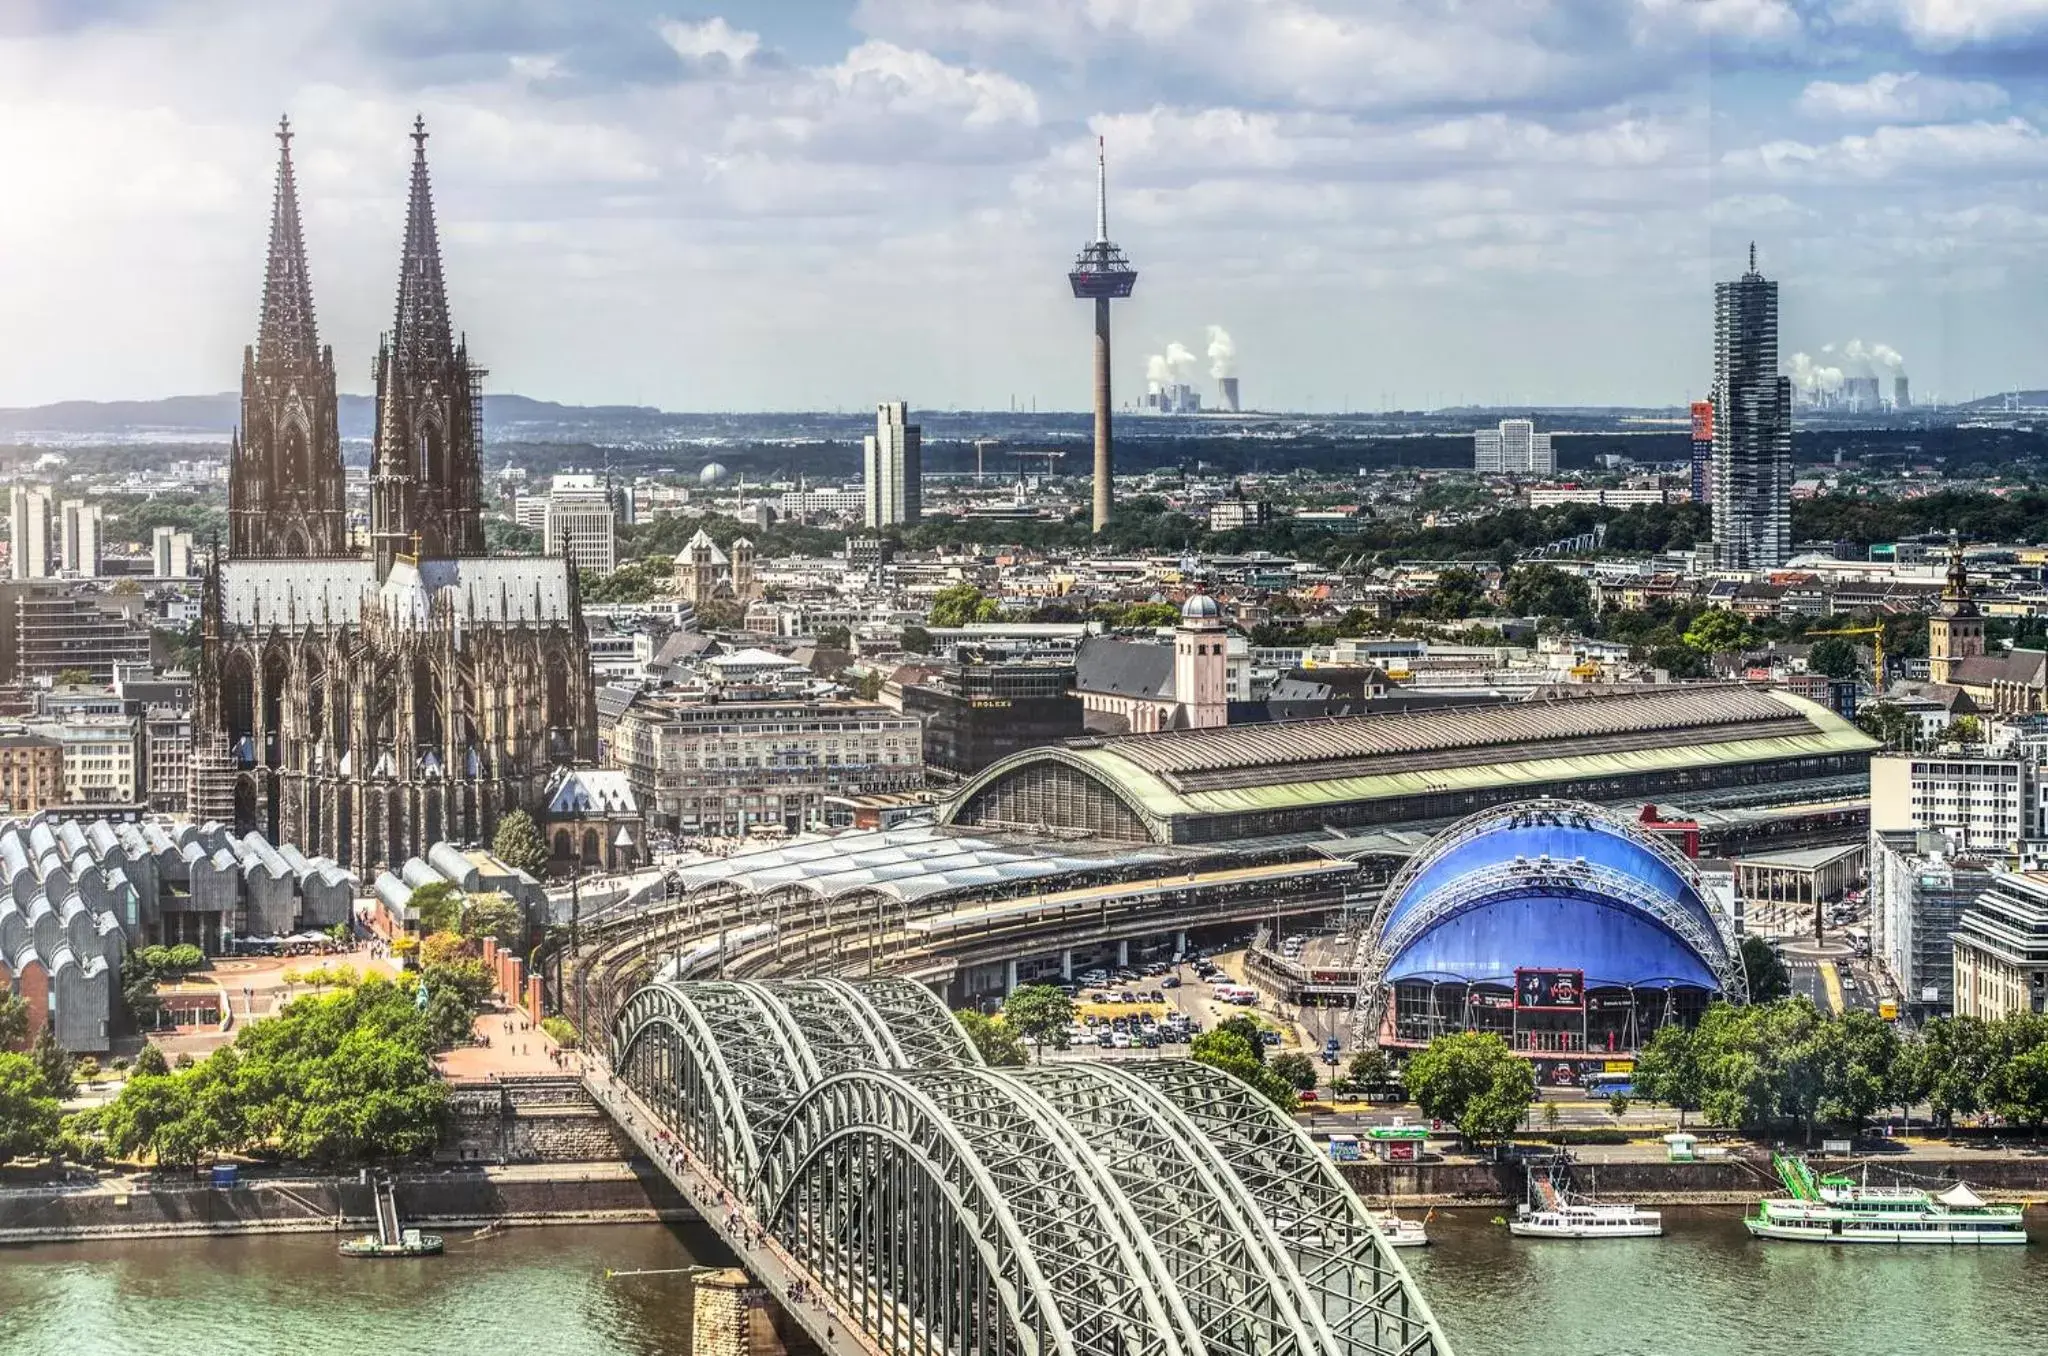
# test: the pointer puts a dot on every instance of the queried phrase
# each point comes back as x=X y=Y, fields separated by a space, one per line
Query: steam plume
x=1222 y=353
x=1176 y=364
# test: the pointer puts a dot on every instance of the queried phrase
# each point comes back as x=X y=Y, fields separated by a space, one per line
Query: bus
x=1601 y=1086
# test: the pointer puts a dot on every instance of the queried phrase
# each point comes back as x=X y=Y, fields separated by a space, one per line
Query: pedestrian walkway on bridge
x=900 y=1196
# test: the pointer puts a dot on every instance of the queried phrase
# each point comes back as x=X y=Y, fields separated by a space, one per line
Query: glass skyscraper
x=1752 y=484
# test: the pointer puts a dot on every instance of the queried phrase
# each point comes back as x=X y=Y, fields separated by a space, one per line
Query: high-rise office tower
x=1515 y=448
x=1752 y=427
x=78 y=552
x=893 y=464
x=29 y=525
x=1101 y=274
x=1702 y=451
x=172 y=551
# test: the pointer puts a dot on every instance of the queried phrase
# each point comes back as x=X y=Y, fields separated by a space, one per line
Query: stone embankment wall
x=528 y=1120
x=1709 y=1182
x=598 y=1194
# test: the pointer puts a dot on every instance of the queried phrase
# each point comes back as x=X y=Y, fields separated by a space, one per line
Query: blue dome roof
x=1585 y=926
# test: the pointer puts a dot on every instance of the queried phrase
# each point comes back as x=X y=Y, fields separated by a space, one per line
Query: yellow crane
x=1876 y=632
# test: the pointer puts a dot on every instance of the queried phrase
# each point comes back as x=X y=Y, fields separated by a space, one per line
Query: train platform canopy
x=911 y=862
x=1357 y=773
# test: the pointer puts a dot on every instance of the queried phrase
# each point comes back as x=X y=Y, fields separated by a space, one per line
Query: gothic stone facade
x=364 y=706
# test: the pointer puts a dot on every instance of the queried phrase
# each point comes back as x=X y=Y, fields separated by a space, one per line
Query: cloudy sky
x=819 y=203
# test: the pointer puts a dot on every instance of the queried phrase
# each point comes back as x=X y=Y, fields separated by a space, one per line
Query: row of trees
x=1768 y=1068
x=1771 y=1066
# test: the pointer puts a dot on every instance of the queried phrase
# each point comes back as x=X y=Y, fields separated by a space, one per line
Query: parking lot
x=1159 y=1008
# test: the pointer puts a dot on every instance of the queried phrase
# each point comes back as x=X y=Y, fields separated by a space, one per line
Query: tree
x=1546 y=591
x=439 y=906
x=496 y=915
x=1769 y=980
x=1859 y=1058
x=1890 y=723
x=1552 y=1117
x=1963 y=730
x=834 y=638
x=53 y=1060
x=1457 y=595
x=1668 y=1070
x=29 y=1112
x=1716 y=632
x=1949 y=1066
x=960 y=604
x=1369 y=1068
x=1229 y=1051
x=721 y=614
x=1617 y=1106
x=1297 y=1069
x=1040 y=1014
x=150 y=1060
x=1474 y=1081
x=1147 y=616
x=1679 y=661
x=2018 y=1091
x=1248 y=1027
x=439 y=948
x=917 y=640
x=13 y=1022
x=998 y=1045
x=518 y=843
x=1833 y=656
x=74 y=678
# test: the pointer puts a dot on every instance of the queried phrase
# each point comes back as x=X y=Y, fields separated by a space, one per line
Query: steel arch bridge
x=1149 y=1208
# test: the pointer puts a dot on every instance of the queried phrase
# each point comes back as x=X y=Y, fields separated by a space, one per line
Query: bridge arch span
x=946 y=1212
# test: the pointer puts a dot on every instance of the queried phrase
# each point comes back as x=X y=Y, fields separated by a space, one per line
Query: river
x=1704 y=1290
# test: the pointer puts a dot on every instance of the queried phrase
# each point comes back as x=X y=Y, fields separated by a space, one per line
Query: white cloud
x=713 y=44
x=1894 y=96
x=1311 y=53
x=1981 y=149
x=1944 y=25
x=1759 y=23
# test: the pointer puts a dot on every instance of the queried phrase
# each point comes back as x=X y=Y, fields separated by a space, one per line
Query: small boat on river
x=1552 y=1211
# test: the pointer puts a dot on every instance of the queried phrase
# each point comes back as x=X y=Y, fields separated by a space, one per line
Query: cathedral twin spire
x=285 y=488
x=285 y=485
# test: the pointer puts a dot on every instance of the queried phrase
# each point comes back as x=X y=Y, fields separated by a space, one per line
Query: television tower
x=1101 y=273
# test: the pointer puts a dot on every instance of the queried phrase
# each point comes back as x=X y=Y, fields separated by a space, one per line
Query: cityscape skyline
x=701 y=211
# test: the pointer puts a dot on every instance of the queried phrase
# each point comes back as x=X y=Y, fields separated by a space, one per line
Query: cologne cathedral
x=365 y=703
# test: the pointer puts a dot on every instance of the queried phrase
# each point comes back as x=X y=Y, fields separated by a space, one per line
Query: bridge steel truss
x=1155 y=1208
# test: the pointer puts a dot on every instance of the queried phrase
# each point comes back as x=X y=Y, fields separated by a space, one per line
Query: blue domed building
x=1571 y=932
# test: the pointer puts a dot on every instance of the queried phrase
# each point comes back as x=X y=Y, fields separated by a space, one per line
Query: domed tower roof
x=1200 y=609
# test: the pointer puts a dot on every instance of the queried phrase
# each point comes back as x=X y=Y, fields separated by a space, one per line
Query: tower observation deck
x=1101 y=274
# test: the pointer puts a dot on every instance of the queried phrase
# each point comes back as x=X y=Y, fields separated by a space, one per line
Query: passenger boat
x=1551 y=1212
x=1835 y=1209
x=1397 y=1232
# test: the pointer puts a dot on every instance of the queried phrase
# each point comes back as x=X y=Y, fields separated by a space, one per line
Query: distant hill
x=187 y=415
x=1994 y=404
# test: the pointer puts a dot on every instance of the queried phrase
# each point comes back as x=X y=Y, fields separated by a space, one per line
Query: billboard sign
x=1550 y=990
x=1703 y=421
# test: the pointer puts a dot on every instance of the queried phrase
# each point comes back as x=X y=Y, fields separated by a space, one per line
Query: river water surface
x=1705 y=1289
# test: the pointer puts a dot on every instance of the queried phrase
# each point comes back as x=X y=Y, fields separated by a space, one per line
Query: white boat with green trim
x=1836 y=1209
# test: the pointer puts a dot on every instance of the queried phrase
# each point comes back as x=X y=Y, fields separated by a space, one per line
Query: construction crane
x=981 y=447
x=1876 y=632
